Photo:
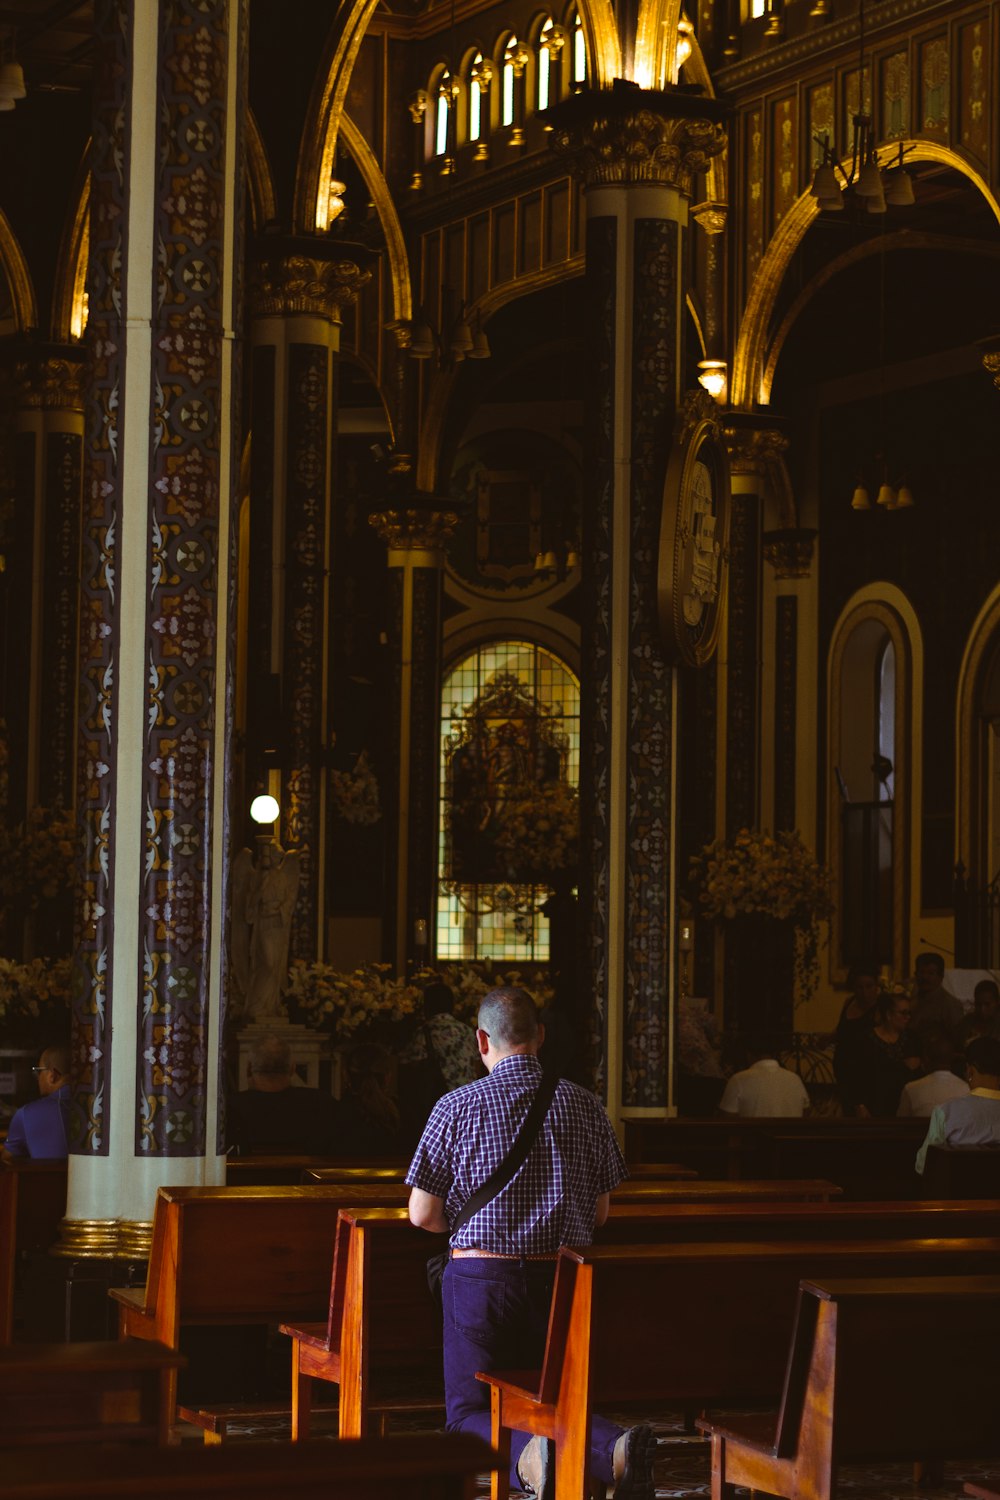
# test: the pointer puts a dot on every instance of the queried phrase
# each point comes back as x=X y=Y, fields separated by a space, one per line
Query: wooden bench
x=870 y=1158
x=659 y=1223
x=32 y=1204
x=287 y=1169
x=653 y=1172
x=381 y=1341
x=860 y=1385
x=810 y=1190
x=82 y=1392
x=225 y=1255
x=692 y=1325
x=962 y=1172
x=423 y=1466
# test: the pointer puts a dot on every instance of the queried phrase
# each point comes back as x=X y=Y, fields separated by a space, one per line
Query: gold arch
x=968 y=749
x=484 y=308
x=604 y=51
x=399 y=265
x=68 y=321
x=750 y=360
x=15 y=268
x=260 y=179
x=654 y=65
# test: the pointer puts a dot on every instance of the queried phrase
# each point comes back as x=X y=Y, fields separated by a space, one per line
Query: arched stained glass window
x=510 y=764
x=444 y=99
x=545 y=63
x=475 y=99
x=579 y=52
x=507 y=83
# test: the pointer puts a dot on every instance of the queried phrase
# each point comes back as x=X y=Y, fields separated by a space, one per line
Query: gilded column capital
x=414 y=529
x=626 y=135
x=790 y=551
x=54 y=384
x=297 y=283
x=991 y=363
x=711 y=216
x=752 y=448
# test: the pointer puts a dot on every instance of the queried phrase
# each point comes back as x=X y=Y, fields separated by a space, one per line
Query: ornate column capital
x=991 y=363
x=52 y=384
x=711 y=216
x=626 y=135
x=298 y=283
x=790 y=551
x=752 y=446
x=414 y=529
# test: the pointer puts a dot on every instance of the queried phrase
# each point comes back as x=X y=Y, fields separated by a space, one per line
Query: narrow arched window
x=443 y=108
x=510 y=764
x=476 y=98
x=579 y=53
x=545 y=63
x=507 y=83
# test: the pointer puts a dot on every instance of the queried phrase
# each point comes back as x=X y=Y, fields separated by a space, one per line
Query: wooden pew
x=859 y=1385
x=236 y=1256
x=85 y=1392
x=694 y=1325
x=962 y=1172
x=421 y=1466
x=288 y=1169
x=659 y=1223
x=32 y=1204
x=381 y=1341
x=804 y=1190
x=871 y=1158
x=652 y=1172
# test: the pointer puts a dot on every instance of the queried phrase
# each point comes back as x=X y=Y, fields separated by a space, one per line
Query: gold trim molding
x=301 y=284
x=414 y=530
x=104 y=1239
x=51 y=385
x=625 y=136
x=752 y=449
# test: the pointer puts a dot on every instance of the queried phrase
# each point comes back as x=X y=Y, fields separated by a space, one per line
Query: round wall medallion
x=694 y=533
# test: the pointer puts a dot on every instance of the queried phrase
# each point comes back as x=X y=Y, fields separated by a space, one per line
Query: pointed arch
x=15 y=268
x=260 y=178
x=68 y=297
x=399 y=265
x=750 y=360
x=983 y=638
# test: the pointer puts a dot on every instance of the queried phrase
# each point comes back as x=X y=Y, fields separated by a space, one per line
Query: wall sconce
x=264 y=810
x=713 y=377
x=335 y=202
x=551 y=565
x=457 y=338
x=685 y=43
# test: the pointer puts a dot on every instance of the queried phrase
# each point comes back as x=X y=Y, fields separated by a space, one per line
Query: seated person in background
x=453 y=1041
x=277 y=1112
x=939 y=1084
x=933 y=1005
x=39 y=1130
x=765 y=1088
x=974 y=1120
x=369 y=1123
x=985 y=1017
x=889 y=1058
x=856 y=1019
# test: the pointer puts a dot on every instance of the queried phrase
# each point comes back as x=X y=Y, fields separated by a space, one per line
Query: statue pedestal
x=309 y=1048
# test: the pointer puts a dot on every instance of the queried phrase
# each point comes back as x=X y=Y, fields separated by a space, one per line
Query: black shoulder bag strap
x=501 y=1175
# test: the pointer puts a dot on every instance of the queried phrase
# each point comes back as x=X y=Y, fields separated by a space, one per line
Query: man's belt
x=460 y=1250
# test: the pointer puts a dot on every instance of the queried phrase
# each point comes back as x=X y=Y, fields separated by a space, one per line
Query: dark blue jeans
x=496 y=1315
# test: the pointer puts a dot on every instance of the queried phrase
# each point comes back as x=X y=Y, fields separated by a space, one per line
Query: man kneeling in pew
x=513 y=1167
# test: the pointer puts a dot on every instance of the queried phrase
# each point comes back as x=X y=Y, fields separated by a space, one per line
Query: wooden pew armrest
x=315 y=1334
x=522 y=1383
x=132 y=1297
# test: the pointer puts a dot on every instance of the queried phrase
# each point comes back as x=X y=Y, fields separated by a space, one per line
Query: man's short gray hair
x=509 y=1017
x=271 y=1057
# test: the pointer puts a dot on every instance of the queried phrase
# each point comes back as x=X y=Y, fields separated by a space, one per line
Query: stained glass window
x=510 y=765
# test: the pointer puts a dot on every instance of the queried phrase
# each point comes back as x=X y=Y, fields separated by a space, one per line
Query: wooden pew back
x=659 y=1223
x=32 y=1203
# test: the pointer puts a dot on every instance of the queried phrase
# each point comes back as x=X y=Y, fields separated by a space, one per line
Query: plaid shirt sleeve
x=431 y=1167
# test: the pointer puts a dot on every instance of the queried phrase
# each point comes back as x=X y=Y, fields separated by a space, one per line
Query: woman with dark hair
x=887 y=1059
x=368 y=1124
x=856 y=1020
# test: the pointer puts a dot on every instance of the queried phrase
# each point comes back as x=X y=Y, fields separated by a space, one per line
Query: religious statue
x=264 y=893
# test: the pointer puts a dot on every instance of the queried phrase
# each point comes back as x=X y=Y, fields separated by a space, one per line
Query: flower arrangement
x=38 y=857
x=769 y=875
x=354 y=794
x=34 y=998
x=344 y=1003
x=470 y=982
x=539 y=834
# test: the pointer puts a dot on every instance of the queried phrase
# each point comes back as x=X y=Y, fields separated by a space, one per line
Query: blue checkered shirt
x=550 y=1200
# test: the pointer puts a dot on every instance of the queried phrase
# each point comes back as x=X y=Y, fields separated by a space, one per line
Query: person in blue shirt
x=39 y=1130
x=975 y=1119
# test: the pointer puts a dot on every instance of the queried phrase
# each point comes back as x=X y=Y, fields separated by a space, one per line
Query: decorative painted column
x=751 y=448
x=156 y=618
x=637 y=153
x=50 y=487
x=298 y=295
x=415 y=537
x=789 y=553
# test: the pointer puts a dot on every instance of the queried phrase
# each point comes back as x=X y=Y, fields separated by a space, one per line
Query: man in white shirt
x=921 y=1097
x=974 y=1120
x=765 y=1089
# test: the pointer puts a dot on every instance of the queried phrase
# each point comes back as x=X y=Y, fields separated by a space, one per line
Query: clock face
x=693 y=536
